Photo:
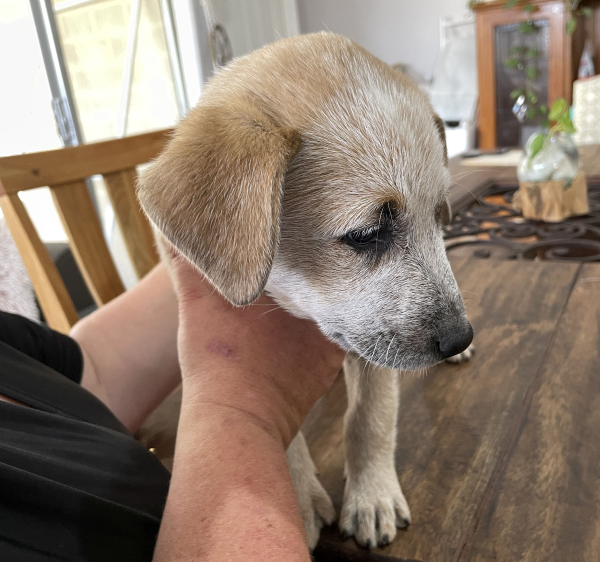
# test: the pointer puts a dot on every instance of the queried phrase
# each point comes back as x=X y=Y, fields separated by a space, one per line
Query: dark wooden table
x=499 y=458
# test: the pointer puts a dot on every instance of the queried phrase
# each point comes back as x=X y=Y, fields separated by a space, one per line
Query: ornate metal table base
x=491 y=228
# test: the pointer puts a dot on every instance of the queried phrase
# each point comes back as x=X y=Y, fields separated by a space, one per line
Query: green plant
x=573 y=10
x=572 y=7
x=525 y=58
x=559 y=115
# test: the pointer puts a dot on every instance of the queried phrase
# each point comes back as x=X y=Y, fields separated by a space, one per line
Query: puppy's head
x=314 y=170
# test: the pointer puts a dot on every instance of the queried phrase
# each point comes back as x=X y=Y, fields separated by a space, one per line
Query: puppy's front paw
x=463 y=356
x=316 y=507
x=374 y=506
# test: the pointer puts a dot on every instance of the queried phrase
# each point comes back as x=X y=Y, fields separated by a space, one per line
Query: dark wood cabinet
x=559 y=55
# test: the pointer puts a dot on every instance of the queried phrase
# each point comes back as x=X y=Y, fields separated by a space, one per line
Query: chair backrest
x=64 y=171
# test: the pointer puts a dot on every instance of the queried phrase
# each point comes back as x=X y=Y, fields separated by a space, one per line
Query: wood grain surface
x=49 y=287
x=135 y=227
x=64 y=171
x=83 y=228
x=498 y=457
x=27 y=171
x=545 y=502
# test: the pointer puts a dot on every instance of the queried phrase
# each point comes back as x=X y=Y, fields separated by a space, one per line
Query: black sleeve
x=56 y=350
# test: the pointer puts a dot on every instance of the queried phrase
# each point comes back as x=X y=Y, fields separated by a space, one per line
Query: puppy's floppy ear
x=215 y=193
x=442 y=130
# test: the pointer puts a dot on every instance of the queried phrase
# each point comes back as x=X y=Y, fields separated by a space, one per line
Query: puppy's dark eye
x=362 y=237
x=375 y=239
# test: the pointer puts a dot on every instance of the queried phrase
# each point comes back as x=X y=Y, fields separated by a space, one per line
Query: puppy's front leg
x=374 y=505
x=315 y=504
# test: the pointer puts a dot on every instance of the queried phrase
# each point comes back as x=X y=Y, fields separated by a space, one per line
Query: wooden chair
x=64 y=171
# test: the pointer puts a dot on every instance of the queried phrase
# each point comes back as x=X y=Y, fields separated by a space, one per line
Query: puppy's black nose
x=454 y=338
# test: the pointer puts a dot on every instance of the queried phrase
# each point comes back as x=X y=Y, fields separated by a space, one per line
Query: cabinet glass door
x=521 y=64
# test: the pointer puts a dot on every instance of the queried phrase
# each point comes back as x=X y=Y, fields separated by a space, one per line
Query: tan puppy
x=312 y=170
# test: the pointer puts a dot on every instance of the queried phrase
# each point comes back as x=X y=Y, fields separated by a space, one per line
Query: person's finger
x=190 y=283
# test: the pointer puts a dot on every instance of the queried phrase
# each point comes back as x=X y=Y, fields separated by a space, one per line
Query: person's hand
x=257 y=359
x=250 y=376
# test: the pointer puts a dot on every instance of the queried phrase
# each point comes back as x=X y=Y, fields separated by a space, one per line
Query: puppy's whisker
x=267 y=312
x=375 y=348
x=465 y=173
x=367 y=364
x=464 y=291
x=388 y=348
x=470 y=191
x=395 y=356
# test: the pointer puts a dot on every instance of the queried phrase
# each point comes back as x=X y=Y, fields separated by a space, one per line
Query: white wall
x=250 y=24
x=396 y=31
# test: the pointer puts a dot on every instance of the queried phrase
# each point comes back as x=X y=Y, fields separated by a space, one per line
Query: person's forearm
x=130 y=348
x=231 y=497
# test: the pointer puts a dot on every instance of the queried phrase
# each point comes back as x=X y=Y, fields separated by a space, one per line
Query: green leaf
x=559 y=108
x=529 y=8
x=543 y=109
x=531 y=113
x=532 y=53
x=510 y=4
x=536 y=145
x=527 y=27
x=586 y=11
x=511 y=63
x=566 y=125
x=531 y=96
x=531 y=72
x=571 y=26
x=516 y=50
x=516 y=93
x=564 y=120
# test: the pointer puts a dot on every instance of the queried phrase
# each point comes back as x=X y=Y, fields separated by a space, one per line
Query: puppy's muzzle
x=454 y=338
